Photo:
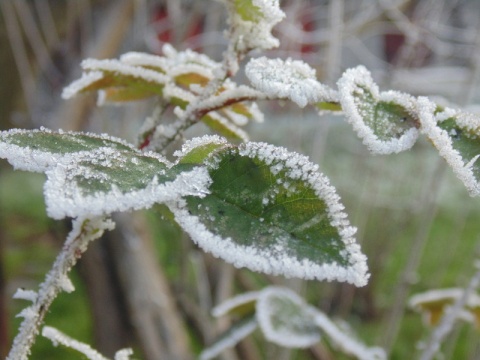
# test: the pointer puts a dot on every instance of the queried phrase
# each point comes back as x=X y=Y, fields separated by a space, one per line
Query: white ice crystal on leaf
x=443 y=140
x=381 y=119
x=265 y=246
x=230 y=304
x=285 y=319
x=345 y=342
x=288 y=79
x=90 y=175
x=230 y=340
x=251 y=23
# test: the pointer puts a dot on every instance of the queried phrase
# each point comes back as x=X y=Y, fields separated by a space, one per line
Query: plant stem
x=446 y=324
x=84 y=230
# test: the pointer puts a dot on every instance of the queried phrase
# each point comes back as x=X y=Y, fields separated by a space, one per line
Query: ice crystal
x=381 y=119
x=274 y=256
x=291 y=79
x=431 y=126
x=285 y=319
x=255 y=32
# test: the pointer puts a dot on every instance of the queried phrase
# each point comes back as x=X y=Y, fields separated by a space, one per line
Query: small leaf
x=240 y=305
x=247 y=10
x=286 y=319
x=384 y=121
x=434 y=303
x=456 y=135
x=223 y=127
x=271 y=211
x=289 y=79
x=115 y=74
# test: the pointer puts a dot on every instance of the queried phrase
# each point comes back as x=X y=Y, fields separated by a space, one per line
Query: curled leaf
x=385 y=121
x=289 y=79
x=456 y=135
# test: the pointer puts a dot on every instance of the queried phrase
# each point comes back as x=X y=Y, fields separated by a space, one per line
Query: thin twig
x=84 y=230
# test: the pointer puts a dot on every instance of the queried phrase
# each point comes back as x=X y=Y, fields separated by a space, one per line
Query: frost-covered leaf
x=433 y=304
x=271 y=210
x=383 y=120
x=456 y=135
x=289 y=79
x=37 y=150
x=240 y=305
x=93 y=175
x=230 y=338
x=286 y=319
x=251 y=23
x=127 y=79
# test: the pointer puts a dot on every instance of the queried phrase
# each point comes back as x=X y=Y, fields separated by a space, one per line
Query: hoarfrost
x=358 y=81
x=85 y=81
x=64 y=197
x=285 y=319
x=232 y=303
x=250 y=34
x=346 y=342
x=23 y=294
x=443 y=142
x=234 y=337
x=198 y=142
x=291 y=79
x=279 y=261
x=57 y=337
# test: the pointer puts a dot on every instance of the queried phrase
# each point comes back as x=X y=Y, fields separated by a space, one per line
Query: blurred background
x=146 y=285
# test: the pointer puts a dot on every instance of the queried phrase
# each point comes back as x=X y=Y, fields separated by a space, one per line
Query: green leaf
x=95 y=175
x=383 y=120
x=271 y=211
x=456 y=135
x=286 y=319
x=37 y=150
x=247 y=10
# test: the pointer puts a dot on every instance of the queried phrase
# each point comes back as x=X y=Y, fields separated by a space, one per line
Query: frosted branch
x=57 y=337
x=84 y=230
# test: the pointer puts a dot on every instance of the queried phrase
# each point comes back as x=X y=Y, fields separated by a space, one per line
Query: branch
x=84 y=230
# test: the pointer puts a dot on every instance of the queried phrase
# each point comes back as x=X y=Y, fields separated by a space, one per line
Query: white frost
x=248 y=35
x=232 y=303
x=77 y=86
x=23 y=294
x=231 y=340
x=285 y=334
x=443 y=142
x=358 y=80
x=291 y=79
x=279 y=262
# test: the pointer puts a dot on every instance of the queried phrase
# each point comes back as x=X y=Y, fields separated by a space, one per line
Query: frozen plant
x=254 y=205
x=285 y=319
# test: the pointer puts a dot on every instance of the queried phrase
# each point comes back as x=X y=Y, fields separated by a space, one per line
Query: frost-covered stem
x=84 y=230
x=194 y=113
x=148 y=127
x=451 y=314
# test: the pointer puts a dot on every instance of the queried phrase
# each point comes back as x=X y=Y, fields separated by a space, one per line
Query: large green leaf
x=383 y=120
x=93 y=175
x=271 y=211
